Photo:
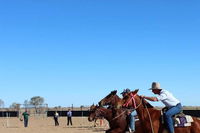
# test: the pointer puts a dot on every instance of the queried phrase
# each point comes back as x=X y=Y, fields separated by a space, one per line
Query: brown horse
x=95 y=118
x=117 y=119
x=150 y=117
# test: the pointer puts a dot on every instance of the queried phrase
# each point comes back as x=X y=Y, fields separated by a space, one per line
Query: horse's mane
x=145 y=103
x=113 y=93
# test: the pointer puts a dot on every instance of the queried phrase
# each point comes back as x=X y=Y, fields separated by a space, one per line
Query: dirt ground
x=46 y=125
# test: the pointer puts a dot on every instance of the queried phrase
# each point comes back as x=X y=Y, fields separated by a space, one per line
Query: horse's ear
x=114 y=92
x=136 y=91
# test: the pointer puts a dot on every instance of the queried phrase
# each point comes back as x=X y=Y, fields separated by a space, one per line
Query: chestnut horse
x=117 y=119
x=150 y=117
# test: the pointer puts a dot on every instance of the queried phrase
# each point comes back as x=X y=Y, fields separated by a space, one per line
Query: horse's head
x=131 y=100
x=110 y=99
x=92 y=116
x=96 y=112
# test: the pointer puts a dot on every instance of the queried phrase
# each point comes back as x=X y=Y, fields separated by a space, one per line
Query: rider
x=132 y=113
x=172 y=104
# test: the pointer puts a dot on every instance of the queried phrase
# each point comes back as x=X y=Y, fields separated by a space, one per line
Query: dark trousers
x=25 y=122
x=69 y=120
x=56 y=121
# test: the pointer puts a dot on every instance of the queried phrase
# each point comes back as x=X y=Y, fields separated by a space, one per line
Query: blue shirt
x=69 y=113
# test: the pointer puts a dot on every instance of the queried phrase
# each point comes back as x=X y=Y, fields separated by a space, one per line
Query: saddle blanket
x=183 y=121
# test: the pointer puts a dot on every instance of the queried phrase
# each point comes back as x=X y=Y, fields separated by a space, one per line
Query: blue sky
x=77 y=51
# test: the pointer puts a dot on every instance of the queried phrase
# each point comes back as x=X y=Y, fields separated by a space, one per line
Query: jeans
x=168 y=116
x=25 y=122
x=132 y=120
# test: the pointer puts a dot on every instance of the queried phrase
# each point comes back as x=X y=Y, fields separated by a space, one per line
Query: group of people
x=69 y=118
x=25 y=118
x=172 y=105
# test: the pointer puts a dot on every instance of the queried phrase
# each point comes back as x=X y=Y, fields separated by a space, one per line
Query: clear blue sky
x=77 y=51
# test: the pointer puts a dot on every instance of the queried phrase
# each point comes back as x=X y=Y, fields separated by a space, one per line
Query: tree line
x=35 y=102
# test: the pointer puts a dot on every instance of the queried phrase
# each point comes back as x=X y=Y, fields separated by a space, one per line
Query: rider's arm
x=151 y=98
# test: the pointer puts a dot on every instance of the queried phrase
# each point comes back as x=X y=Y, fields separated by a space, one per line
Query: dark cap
x=127 y=90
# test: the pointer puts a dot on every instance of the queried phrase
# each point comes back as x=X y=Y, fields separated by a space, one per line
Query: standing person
x=132 y=114
x=69 y=117
x=172 y=104
x=56 y=115
x=25 y=115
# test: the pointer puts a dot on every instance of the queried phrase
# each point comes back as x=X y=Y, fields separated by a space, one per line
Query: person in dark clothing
x=25 y=115
x=69 y=117
x=56 y=115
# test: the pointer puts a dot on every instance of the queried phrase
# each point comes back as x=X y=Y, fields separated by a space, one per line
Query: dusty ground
x=46 y=125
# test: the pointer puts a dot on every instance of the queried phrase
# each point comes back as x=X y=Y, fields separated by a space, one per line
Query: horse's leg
x=95 y=122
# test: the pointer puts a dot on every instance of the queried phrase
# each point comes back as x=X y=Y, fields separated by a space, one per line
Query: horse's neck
x=115 y=100
x=146 y=110
x=149 y=116
x=118 y=98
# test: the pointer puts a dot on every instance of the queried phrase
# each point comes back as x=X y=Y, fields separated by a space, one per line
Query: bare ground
x=46 y=125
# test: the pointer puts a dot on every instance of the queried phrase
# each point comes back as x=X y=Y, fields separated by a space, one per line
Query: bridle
x=98 y=112
x=132 y=99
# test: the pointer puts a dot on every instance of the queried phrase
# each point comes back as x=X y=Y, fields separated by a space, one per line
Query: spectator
x=56 y=115
x=69 y=117
x=25 y=115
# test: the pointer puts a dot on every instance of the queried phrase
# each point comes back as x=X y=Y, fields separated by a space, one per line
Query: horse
x=111 y=99
x=117 y=119
x=95 y=118
x=150 y=117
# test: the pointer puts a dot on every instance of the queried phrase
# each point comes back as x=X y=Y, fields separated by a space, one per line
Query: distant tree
x=26 y=103
x=36 y=101
x=1 y=103
x=15 y=106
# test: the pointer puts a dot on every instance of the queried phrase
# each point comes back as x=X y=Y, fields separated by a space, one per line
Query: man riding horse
x=131 y=115
x=172 y=104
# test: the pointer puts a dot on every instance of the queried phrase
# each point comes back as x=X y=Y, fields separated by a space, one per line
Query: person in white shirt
x=56 y=115
x=172 y=104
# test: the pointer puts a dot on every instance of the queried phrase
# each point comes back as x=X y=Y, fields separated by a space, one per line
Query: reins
x=118 y=115
x=149 y=118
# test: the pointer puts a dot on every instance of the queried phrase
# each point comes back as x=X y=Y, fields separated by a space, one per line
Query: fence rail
x=84 y=113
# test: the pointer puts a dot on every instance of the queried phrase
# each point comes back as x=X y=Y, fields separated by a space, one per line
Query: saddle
x=180 y=119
